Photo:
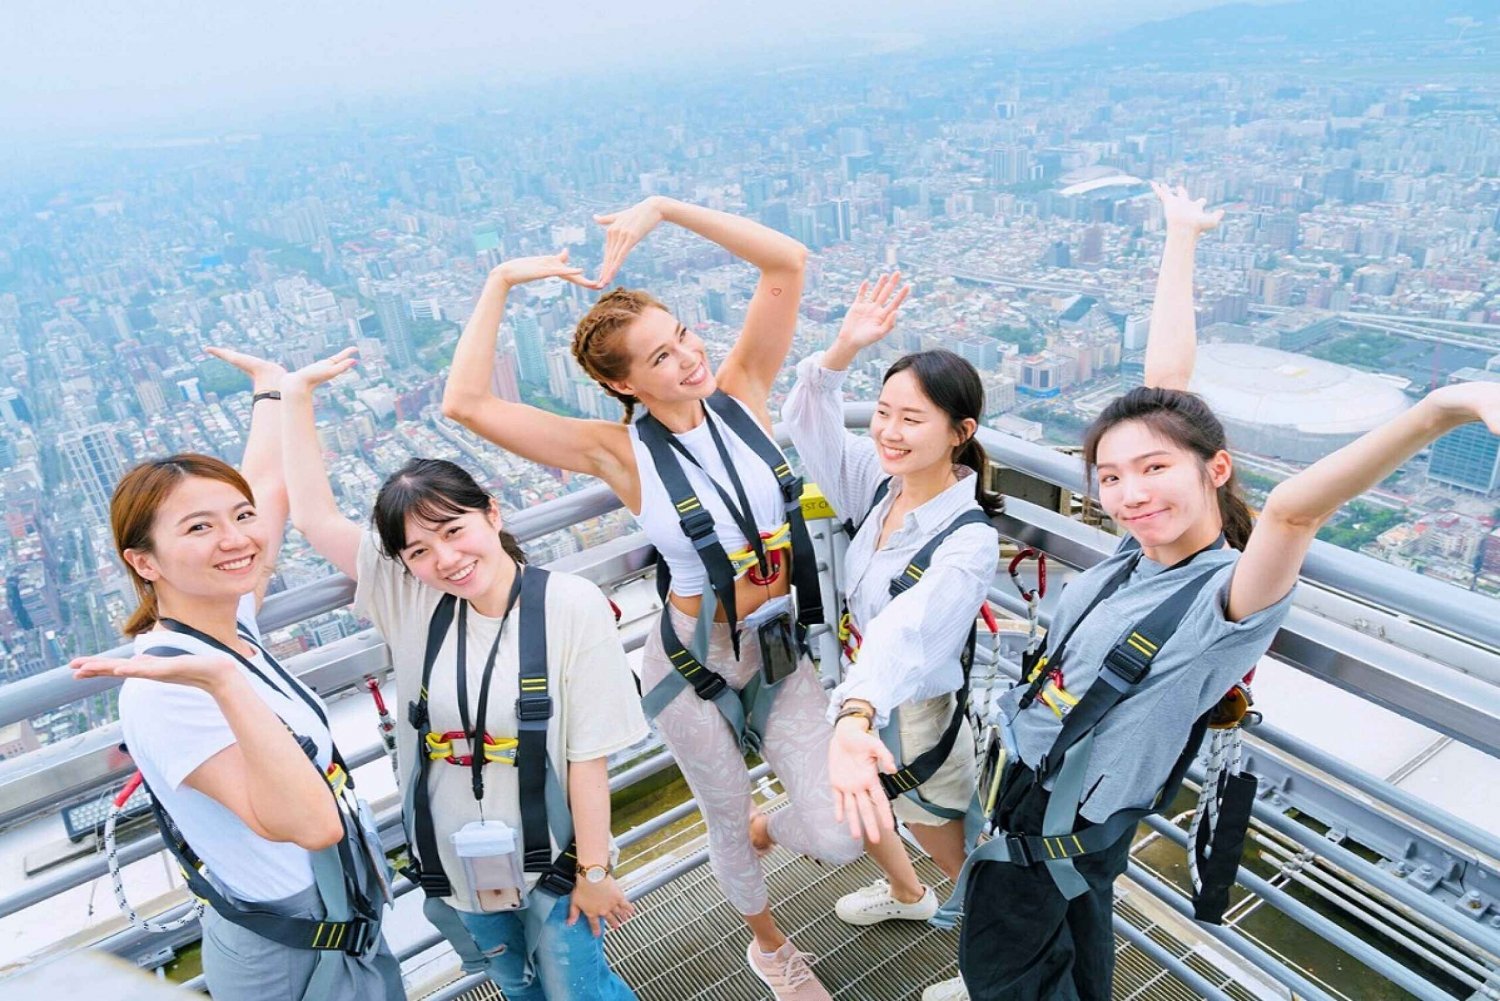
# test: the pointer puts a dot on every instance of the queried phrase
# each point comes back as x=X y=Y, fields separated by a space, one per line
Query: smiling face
x=460 y=554
x=206 y=543
x=911 y=433
x=667 y=361
x=1154 y=488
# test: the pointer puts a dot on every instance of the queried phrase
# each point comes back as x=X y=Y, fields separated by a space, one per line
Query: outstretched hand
x=1469 y=401
x=872 y=315
x=1185 y=212
x=521 y=270
x=262 y=371
x=855 y=760
x=623 y=230
x=195 y=671
x=321 y=371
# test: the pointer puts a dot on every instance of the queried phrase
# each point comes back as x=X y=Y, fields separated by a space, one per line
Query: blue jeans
x=569 y=966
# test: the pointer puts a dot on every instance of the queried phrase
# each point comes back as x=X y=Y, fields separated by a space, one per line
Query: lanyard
x=475 y=734
x=1115 y=582
x=741 y=513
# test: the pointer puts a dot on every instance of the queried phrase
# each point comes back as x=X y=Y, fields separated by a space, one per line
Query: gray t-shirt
x=1138 y=741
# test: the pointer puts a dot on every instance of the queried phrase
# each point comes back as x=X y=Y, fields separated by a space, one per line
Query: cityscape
x=1356 y=268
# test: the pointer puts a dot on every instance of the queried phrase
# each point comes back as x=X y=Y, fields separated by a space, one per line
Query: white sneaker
x=874 y=904
x=948 y=990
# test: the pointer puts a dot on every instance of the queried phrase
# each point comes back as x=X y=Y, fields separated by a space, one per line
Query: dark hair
x=432 y=490
x=132 y=513
x=953 y=386
x=1187 y=421
x=596 y=344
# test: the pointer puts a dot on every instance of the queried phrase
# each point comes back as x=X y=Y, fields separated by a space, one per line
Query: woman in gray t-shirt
x=1037 y=910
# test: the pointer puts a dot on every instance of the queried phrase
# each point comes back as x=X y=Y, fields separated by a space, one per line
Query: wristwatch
x=595 y=873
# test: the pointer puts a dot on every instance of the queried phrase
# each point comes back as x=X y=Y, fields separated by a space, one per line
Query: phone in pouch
x=492 y=864
x=776 y=634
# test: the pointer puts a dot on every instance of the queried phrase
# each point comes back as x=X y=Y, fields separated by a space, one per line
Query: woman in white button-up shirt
x=905 y=650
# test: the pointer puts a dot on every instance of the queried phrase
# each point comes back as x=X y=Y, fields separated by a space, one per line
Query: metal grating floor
x=686 y=943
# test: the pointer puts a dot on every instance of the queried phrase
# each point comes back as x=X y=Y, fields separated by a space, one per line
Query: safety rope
x=111 y=855
x=1224 y=754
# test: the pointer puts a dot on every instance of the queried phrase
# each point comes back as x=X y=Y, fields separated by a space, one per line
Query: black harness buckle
x=710 y=685
x=555 y=882
x=1020 y=853
x=416 y=714
x=361 y=935
x=533 y=708
x=698 y=525
x=1128 y=664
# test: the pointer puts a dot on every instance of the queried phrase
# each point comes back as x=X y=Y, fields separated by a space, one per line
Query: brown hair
x=1187 y=421
x=597 y=347
x=132 y=512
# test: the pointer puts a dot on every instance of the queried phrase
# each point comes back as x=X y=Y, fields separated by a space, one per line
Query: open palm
x=872 y=315
x=323 y=369
x=521 y=270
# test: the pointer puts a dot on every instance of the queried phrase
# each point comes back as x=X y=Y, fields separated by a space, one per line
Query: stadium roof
x=1259 y=385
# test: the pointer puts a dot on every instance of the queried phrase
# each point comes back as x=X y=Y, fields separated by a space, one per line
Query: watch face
x=595 y=874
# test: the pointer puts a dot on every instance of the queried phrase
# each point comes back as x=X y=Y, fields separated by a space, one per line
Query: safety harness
x=746 y=710
x=1125 y=668
x=352 y=891
x=906 y=778
x=545 y=816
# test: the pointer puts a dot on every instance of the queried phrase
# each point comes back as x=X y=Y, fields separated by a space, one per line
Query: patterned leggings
x=796 y=747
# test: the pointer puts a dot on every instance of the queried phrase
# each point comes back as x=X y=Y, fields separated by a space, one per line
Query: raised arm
x=1172 y=340
x=843 y=464
x=315 y=513
x=1298 y=507
x=771 y=319
x=598 y=448
x=261 y=463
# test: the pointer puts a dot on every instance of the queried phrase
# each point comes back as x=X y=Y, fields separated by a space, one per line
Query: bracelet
x=271 y=394
x=868 y=715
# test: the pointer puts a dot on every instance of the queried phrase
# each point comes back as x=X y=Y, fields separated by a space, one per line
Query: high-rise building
x=504 y=384
x=93 y=454
x=531 y=349
x=1468 y=457
x=390 y=306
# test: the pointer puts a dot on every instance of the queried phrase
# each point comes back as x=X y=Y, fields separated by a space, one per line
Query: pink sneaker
x=788 y=973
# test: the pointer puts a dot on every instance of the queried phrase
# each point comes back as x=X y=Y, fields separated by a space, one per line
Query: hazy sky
x=111 y=65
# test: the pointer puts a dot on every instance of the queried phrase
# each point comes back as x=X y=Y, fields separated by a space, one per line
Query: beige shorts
x=952 y=785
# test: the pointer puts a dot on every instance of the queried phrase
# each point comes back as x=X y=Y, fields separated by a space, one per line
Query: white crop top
x=658 y=517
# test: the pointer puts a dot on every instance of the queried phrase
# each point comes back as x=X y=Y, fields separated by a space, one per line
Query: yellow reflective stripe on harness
x=501 y=751
x=743 y=560
x=1142 y=644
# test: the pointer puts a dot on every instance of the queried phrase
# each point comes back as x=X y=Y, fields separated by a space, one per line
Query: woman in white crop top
x=643 y=356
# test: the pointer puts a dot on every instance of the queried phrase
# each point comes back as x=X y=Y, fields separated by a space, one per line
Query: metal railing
x=1457 y=699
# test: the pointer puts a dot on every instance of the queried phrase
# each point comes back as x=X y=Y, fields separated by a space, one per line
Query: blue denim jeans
x=570 y=963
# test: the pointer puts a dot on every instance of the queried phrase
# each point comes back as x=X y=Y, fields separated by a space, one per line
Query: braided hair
x=598 y=349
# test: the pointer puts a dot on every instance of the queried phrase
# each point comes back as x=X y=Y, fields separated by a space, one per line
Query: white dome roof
x=1263 y=386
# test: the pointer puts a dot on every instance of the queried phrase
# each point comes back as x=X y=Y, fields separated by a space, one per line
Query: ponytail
x=512 y=547
x=972 y=454
x=144 y=618
x=1235 y=513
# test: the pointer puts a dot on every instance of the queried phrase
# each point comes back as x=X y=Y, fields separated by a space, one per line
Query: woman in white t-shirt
x=451 y=595
x=222 y=734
